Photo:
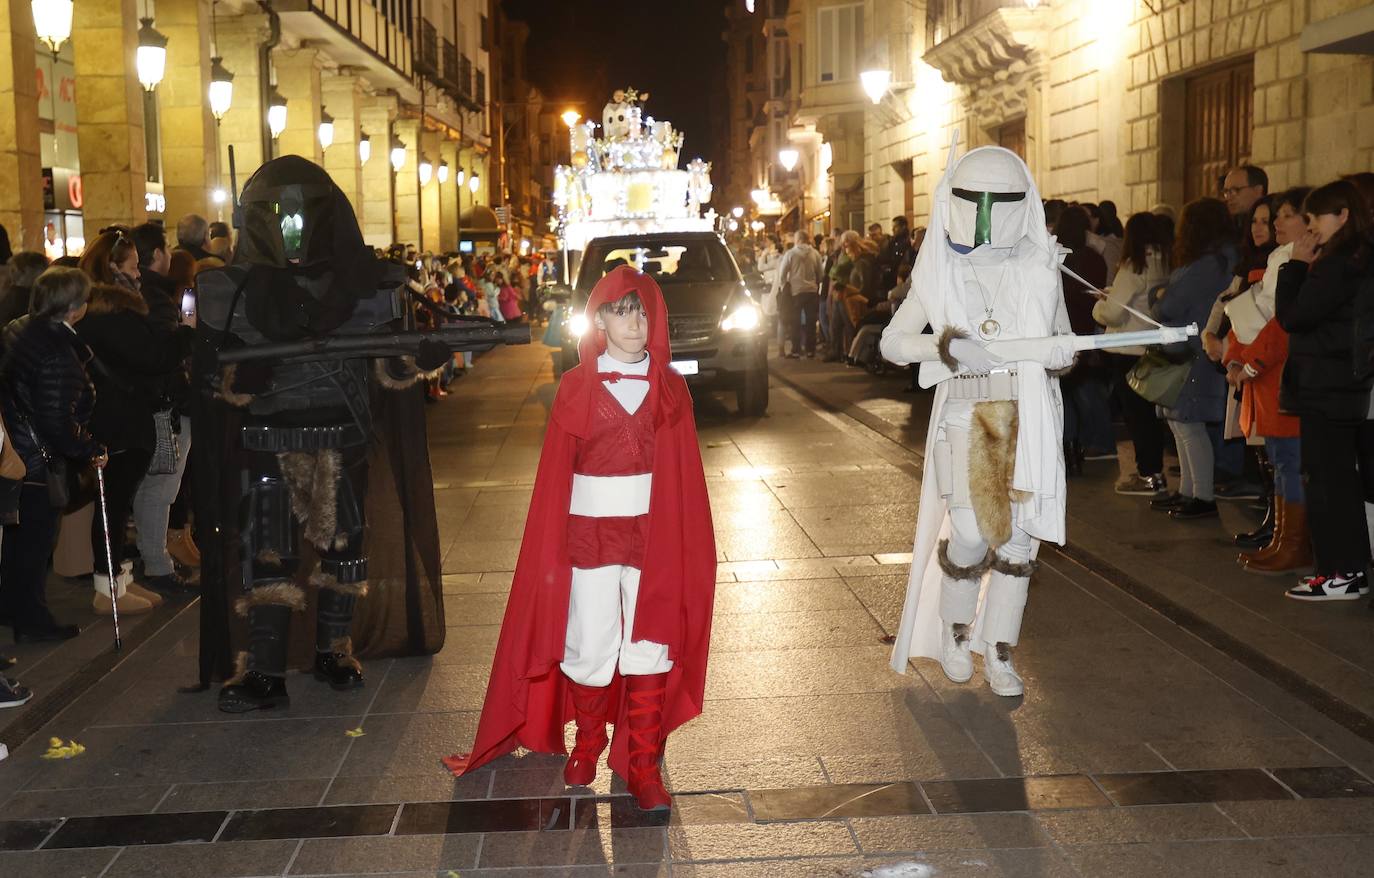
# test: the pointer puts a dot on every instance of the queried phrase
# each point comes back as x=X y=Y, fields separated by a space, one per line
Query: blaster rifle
x=467 y=335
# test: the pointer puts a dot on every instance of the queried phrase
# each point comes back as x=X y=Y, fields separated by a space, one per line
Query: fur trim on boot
x=240 y=668
x=1014 y=568
x=343 y=647
x=942 y=346
x=954 y=571
x=991 y=466
x=278 y=594
x=324 y=580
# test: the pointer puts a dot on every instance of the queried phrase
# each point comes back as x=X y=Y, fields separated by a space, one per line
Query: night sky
x=585 y=49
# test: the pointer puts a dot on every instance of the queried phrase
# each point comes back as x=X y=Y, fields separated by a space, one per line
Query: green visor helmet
x=987 y=203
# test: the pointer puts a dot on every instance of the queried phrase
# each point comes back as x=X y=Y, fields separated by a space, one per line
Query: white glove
x=973 y=356
x=1060 y=354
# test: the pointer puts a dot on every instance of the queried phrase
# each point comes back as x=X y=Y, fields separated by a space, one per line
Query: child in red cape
x=609 y=616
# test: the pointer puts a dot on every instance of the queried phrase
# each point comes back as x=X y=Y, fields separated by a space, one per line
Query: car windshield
x=669 y=263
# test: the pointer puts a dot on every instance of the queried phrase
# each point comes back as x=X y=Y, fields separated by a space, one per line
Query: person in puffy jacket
x=47 y=400
x=1315 y=303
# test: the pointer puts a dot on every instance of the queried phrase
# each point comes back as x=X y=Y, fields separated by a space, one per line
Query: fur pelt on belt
x=991 y=465
x=313 y=479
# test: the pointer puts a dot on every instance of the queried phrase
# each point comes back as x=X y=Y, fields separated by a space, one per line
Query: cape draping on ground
x=528 y=702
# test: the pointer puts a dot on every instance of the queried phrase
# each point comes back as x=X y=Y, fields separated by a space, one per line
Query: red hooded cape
x=528 y=702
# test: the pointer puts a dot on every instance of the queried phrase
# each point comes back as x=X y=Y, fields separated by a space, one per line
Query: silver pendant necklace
x=989 y=328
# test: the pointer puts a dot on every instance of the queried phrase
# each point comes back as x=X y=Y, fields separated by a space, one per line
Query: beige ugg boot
x=129 y=604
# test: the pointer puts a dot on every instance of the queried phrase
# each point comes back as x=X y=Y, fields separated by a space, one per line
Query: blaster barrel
x=463 y=337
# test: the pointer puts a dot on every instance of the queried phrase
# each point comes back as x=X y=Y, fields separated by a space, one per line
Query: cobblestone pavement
x=1179 y=717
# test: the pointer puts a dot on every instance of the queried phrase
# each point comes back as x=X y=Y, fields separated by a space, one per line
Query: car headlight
x=744 y=318
x=578 y=324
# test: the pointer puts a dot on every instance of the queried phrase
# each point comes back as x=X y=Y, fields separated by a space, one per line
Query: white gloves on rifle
x=973 y=356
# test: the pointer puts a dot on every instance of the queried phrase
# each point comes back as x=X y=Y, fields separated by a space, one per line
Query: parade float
x=627 y=181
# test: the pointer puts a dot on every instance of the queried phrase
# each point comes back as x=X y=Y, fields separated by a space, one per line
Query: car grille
x=691 y=329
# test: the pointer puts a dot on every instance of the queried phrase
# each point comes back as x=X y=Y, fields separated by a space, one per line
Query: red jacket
x=528 y=702
x=1259 y=400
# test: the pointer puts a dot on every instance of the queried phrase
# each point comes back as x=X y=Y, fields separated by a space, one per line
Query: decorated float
x=627 y=181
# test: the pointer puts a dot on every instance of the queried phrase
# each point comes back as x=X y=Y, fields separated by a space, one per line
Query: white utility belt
x=999 y=384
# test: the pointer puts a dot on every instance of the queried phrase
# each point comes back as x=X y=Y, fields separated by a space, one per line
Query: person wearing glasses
x=1240 y=189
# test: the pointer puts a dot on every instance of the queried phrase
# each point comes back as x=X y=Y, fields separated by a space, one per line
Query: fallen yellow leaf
x=58 y=750
x=355 y=733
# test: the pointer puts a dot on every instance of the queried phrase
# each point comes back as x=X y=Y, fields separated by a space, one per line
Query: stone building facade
x=82 y=146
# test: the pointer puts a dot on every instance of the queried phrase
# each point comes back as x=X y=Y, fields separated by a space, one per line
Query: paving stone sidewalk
x=1138 y=749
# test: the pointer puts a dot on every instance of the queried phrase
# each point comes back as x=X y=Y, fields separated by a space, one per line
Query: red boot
x=645 y=720
x=589 y=704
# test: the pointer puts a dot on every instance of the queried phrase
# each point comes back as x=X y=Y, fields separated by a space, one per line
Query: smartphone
x=188 y=306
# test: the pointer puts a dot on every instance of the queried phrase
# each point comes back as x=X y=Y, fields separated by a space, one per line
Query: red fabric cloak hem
x=528 y=702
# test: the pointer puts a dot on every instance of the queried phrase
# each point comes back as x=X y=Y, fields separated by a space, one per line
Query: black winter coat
x=133 y=361
x=1316 y=307
x=164 y=311
x=45 y=382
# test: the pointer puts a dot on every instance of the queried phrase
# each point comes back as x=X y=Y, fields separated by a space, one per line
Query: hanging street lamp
x=326 y=129
x=398 y=155
x=151 y=59
x=221 y=88
x=462 y=176
x=364 y=147
x=276 y=112
x=876 y=84
x=52 y=21
x=426 y=172
x=443 y=173
x=473 y=183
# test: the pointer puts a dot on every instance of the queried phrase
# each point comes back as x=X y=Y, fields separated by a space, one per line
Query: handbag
x=11 y=464
x=166 y=453
x=69 y=488
x=1158 y=377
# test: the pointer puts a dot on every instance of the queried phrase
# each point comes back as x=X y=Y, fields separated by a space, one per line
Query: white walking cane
x=109 y=554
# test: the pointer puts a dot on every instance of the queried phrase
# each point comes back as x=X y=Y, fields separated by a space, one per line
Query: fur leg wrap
x=313 y=478
x=333 y=618
x=325 y=581
x=268 y=627
x=942 y=346
x=276 y=594
x=240 y=668
x=343 y=647
x=1021 y=570
x=954 y=571
x=991 y=467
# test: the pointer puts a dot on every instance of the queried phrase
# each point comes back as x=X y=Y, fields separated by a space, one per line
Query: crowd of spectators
x=95 y=373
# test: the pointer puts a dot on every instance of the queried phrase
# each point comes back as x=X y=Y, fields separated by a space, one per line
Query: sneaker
x=1000 y=673
x=1193 y=508
x=1333 y=587
x=956 y=659
x=1239 y=489
x=1141 y=486
x=1168 y=502
x=1099 y=454
x=12 y=694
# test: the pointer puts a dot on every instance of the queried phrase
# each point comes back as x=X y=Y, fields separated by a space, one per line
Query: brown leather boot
x=182 y=548
x=1273 y=545
x=589 y=706
x=1294 y=550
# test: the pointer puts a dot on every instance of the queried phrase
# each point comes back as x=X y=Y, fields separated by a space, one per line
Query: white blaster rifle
x=1039 y=349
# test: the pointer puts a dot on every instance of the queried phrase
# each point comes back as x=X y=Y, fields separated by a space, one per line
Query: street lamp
x=221 y=88
x=151 y=58
x=326 y=129
x=571 y=117
x=876 y=82
x=443 y=173
x=52 y=21
x=276 y=113
x=398 y=155
x=426 y=172
x=473 y=183
x=364 y=147
x=461 y=178
x=788 y=158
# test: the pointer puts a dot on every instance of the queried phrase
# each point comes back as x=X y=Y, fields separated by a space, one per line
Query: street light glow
x=737 y=212
x=426 y=172
x=876 y=83
x=219 y=196
x=276 y=113
x=52 y=21
x=398 y=155
x=571 y=117
x=221 y=88
x=788 y=158
x=326 y=130
x=473 y=183
x=151 y=58
x=443 y=173
x=364 y=147
x=760 y=196
x=461 y=177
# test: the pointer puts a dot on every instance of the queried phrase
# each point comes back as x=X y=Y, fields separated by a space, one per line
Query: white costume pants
x=601 y=615
x=1005 y=602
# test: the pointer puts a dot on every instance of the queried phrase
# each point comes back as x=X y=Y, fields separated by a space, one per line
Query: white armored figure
x=986 y=279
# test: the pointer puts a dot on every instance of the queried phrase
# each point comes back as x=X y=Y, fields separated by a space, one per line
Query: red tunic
x=619 y=444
